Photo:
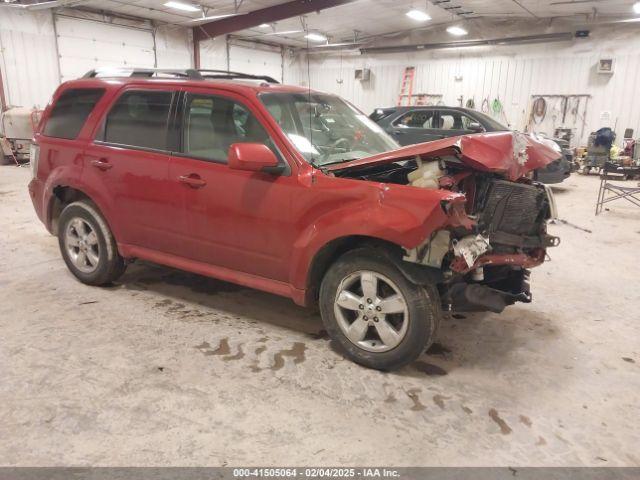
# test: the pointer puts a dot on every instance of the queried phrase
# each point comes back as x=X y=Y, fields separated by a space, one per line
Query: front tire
x=87 y=245
x=380 y=318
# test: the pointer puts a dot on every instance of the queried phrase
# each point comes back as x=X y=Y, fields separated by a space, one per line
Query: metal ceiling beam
x=543 y=38
x=264 y=15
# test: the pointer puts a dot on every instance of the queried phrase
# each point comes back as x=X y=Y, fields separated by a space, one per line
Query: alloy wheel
x=81 y=243
x=371 y=311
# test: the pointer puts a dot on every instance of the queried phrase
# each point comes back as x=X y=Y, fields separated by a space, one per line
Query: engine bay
x=485 y=260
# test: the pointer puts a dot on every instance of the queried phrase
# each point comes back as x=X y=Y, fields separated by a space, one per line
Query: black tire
x=110 y=265
x=422 y=304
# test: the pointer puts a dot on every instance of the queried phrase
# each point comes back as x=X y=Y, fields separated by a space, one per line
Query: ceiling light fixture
x=185 y=7
x=285 y=32
x=315 y=37
x=636 y=7
x=457 y=31
x=264 y=25
x=212 y=17
x=418 y=15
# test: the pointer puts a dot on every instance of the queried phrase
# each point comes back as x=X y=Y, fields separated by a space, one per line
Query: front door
x=233 y=219
x=454 y=123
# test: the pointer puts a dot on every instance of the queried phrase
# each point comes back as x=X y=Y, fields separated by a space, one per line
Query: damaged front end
x=495 y=233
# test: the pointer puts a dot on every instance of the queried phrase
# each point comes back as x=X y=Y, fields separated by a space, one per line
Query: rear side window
x=71 y=111
x=139 y=119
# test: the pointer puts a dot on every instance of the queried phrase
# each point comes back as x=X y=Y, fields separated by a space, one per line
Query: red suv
x=294 y=192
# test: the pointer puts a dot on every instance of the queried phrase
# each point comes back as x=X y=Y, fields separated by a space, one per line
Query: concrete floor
x=169 y=368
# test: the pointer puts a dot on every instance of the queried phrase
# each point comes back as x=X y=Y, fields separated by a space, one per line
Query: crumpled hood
x=511 y=154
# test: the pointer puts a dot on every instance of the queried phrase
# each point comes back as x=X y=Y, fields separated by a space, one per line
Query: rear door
x=127 y=163
x=416 y=126
x=234 y=219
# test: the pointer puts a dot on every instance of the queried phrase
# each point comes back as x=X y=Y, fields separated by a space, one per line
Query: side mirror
x=475 y=127
x=253 y=157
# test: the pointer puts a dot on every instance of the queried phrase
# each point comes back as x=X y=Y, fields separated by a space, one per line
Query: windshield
x=326 y=129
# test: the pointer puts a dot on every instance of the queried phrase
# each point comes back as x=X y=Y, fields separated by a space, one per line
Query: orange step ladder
x=406 y=88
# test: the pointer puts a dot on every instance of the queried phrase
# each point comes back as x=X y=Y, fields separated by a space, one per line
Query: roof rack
x=143 y=72
x=231 y=75
x=190 y=73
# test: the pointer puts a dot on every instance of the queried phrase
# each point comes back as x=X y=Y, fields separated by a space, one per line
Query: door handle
x=192 y=180
x=397 y=132
x=101 y=164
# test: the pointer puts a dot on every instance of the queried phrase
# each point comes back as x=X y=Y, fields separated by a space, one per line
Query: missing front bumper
x=493 y=296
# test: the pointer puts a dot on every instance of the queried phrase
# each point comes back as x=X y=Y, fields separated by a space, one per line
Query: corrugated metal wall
x=247 y=57
x=28 y=57
x=512 y=77
x=29 y=51
x=84 y=44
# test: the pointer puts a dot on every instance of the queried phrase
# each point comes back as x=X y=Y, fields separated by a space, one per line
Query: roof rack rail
x=206 y=73
x=143 y=72
x=190 y=73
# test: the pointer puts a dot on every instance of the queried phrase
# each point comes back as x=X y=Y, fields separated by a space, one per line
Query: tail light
x=34 y=155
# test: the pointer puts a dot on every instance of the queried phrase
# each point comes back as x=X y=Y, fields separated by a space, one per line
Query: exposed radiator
x=513 y=208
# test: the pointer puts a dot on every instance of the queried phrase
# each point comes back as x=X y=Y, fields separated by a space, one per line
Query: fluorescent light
x=315 y=37
x=186 y=7
x=457 y=31
x=418 y=15
x=212 y=17
x=264 y=25
x=636 y=7
x=285 y=32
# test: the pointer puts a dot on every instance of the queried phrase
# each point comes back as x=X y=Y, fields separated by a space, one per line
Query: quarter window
x=212 y=124
x=71 y=111
x=139 y=119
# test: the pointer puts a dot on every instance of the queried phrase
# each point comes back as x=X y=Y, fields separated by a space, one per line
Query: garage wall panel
x=256 y=60
x=510 y=74
x=27 y=57
x=174 y=47
x=213 y=53
x=86 y=44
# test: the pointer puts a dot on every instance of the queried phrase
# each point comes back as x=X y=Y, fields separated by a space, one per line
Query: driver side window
x=211 y=124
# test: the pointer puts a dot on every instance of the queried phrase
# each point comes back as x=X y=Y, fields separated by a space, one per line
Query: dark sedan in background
x=417 y=124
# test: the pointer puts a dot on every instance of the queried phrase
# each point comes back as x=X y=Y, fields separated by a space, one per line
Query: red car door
x=233 y=219
x=127 y=163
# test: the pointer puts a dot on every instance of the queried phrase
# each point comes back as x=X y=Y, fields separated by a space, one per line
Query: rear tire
x=87 y=245
x=380 y=318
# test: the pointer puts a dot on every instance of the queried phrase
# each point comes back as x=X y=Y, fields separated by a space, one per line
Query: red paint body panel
x=248 y=227
x=490 y=152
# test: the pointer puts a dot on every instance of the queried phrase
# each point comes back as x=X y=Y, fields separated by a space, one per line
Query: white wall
x=511 y=74
x=28 y=56
x=174 y=47
x=33 y=63
x=85 y=44
x=239 y=55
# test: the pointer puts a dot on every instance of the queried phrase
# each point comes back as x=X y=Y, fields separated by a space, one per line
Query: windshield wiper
x=342 y=160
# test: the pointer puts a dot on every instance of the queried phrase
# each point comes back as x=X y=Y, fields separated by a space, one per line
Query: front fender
x=399 y=214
